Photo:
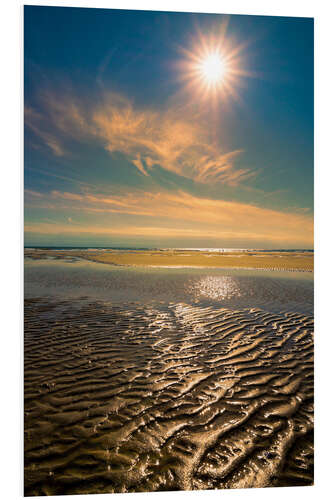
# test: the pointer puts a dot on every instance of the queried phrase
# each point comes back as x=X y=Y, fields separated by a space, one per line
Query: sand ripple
x=168 y=397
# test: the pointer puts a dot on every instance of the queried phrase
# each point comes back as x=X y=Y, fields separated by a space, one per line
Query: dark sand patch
x=143 y=398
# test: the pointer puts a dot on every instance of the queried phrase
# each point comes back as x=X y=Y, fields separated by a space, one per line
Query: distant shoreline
x=167 y=249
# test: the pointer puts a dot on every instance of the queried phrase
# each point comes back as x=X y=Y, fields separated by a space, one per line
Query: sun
x=213 y=68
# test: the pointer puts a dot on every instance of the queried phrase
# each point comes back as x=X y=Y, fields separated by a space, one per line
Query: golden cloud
x=179 y=214
x=178 y=142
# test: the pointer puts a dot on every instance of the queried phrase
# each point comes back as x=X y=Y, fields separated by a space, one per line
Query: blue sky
x=126 y=144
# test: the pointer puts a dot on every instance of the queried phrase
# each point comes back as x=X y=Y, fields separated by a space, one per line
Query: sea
x=136 y=249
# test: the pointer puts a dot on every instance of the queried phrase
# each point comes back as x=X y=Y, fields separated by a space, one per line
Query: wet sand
x=292 y=261
x=126 y=397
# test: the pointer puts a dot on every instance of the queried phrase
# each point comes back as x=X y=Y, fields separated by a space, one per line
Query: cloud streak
x=169 y=138
x=176 y=214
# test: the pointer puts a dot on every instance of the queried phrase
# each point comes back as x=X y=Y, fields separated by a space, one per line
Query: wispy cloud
x=178 y=214
x=168 y=138
x=34 y=121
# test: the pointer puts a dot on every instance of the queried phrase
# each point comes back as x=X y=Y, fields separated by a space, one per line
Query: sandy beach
x=289 y=261
x=158 y=393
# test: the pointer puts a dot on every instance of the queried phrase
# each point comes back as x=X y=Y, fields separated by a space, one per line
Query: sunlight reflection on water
x=272 y=290
x=216 y=287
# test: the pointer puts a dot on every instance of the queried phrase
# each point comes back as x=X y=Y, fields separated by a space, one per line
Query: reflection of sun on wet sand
x=297 y=261
x=125 y=398
x=169 y=379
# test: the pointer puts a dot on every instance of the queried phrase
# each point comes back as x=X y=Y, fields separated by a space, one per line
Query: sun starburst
x=213 y=67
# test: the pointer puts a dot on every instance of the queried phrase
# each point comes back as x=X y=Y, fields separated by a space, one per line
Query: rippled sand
x=167 y=397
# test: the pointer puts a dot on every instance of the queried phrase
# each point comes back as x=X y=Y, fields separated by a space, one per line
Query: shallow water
x=272 y=290
x=166 y=379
